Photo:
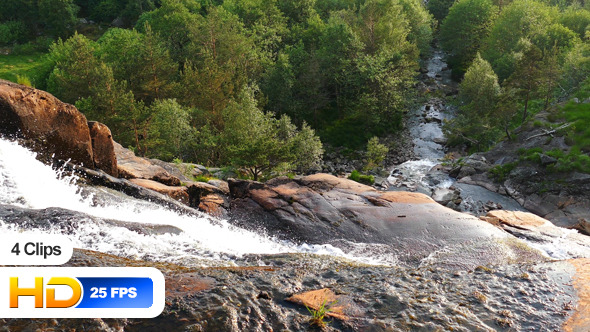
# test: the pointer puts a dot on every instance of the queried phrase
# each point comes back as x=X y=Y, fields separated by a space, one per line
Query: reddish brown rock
x=51 y=126
x=132 y=167
x=102 y=148
x=335 y=305
x=519 y=219
x=186 y=284
x=580 y=320
x=212 y=204
x=178 y=193
x=203 y=196
x=208 y=198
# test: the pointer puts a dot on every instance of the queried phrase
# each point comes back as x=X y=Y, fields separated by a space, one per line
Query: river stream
x=425 y=174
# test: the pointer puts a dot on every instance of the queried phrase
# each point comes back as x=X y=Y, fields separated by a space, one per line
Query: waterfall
x=26 y=182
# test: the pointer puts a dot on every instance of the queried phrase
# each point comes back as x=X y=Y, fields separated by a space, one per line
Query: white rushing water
x=26 y=182
x=425 y=127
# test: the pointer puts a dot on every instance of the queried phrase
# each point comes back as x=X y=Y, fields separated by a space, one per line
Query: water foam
x=28 y=183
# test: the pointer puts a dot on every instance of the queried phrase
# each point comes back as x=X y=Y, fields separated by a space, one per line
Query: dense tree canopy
x=520 y=19
x=180 y=68
x=540 y=53
x=257 y=83
x=463 y=30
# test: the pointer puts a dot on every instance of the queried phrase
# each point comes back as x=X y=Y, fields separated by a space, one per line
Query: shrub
x=41 y=44
x=12 y=32
x=500 y=172
x=376 y=153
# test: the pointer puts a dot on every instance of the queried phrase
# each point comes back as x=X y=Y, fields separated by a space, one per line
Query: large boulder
x=178 y=193
x=411 y=227
x=203 y=196
x=48 y=125
x=132 y=167
x=558 y=242
x=102 y=148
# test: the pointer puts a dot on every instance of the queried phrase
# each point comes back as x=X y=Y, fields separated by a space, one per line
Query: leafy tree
x=135 y=8
x=550 y=75
x=439 y=8
x=12 y=32
x=576 y=19
x=555 y=37
x=76 y=68
x=387 y=65
x=382 y=26
x=177 y=21
x=80 y=78
x=170 y=132
x=260 y=143
x=376 y=153
x=297 y=11
x=111 y=103
x=576 y=67
x=506 y=109
x=277 y=85
x=266 y=23
x=478 y=96
x=142 y=59
x=520 y=19
x=463 y=30
x=58 y=16
x=420 y=23
x=528 y=74
x=20 y=14
x=336 y=57
x=479 y=89
x=223 y=61
x=103 y=10
x=326 y=8
x=308 y=148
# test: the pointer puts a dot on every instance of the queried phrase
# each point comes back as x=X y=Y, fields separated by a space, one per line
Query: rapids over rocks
x=425 y=174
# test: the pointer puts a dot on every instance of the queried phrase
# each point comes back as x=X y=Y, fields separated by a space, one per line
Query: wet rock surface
x=557 y=242
x=100 y=178
x=550 y=295
x=67 y=221
x=409 y=227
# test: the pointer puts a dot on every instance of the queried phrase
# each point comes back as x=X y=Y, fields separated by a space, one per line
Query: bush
x=41 y=44
x=361 y=178
x=12 y=32
x=376 y=153
x=500 y=172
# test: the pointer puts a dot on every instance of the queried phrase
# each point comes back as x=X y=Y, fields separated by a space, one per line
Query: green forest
x=264 y=84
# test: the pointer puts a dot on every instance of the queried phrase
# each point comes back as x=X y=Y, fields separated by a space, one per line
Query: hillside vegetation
x=176 y=75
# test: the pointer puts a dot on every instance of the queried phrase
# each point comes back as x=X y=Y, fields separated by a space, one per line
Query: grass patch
x=318 y=316
x=579 y=132
x=35 y=67
x=361 y=178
